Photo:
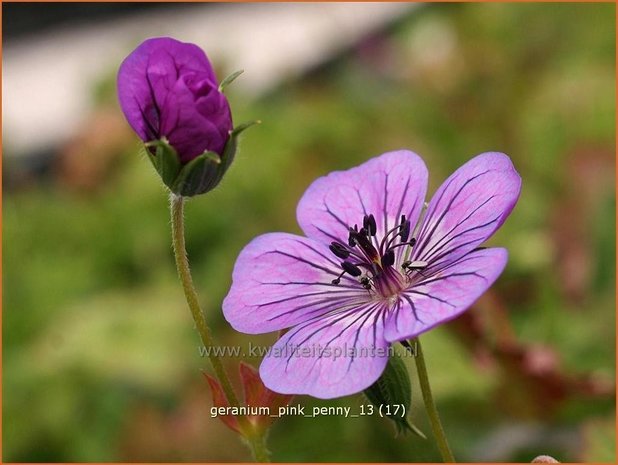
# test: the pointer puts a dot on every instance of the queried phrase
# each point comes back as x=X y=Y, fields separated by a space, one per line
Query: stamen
x=337 y=280
x=369 y=224
x=366 y=282
x=414 y=265
x=351 y=237
x=371 y=259
x=411 y=243
x=351 y=269
x=339 y=250
x=361 y=238
x=387 y=240
x=405 y=229
x=388 y=259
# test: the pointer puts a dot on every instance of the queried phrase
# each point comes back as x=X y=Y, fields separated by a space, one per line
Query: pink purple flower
x=373 y=269
x=168 y=89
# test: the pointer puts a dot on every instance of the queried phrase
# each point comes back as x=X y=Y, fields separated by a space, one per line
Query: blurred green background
x=100 y=358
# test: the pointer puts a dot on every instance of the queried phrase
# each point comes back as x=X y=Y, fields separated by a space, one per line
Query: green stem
x=430 y=406
x=258 y=447
x=256 y=442
x=184 y=272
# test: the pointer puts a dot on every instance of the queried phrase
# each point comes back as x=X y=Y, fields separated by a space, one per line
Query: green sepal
x=201 y=174
x=229 y=79
x=164 y=159
x=394 y=388
x=242 y=127
x=198 y=176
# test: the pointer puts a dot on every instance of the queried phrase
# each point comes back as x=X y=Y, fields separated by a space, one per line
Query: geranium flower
x=370 y=273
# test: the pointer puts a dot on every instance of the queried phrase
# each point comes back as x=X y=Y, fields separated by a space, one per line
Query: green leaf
x=393 y=389
x=229 y=79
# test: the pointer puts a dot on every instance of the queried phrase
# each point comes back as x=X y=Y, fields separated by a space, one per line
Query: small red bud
x=219 y=400
x=258 y=395
x=255 y=395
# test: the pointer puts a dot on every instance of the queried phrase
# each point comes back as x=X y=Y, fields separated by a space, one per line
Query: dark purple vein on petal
x=384 y=209
x=402 y=200
x=433 y=297
x=425 y=224
x=332 y=236
x=317 y=306
x=376 y=315
x=360 y=199
x=338 y=315
x=367 y=311
x=331 y=294
x=318 y=252
x=339 y=220
x=302 y=260
x=446 y=266
x=306 y=283
x=436 y=264
x=452 y=236
x=412 y=306
x=445 y=211
x=427 y=256
x=379 y=315
x=401 y=251
x=451 y=275
x=374 y=239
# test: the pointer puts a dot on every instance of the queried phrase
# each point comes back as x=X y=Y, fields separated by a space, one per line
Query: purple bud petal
x=168 y=88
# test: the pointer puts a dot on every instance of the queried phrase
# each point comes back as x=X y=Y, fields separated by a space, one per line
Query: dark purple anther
x=369 y=224
x=339 y=250
x=351 y=269
x=351 y=240
x=404 y=229
x=388 y=259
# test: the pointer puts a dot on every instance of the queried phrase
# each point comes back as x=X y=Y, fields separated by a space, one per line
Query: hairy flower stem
x=255 y=441
x=430 y=406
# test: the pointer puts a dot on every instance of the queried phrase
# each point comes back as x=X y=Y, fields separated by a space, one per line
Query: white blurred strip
x=47 y=80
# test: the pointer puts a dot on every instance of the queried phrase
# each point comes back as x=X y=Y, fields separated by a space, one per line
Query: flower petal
x=335 y=355
x=387 y=186
x=191 y=128
x=148 y=73
x=441 y=297
x=468 y=208
x=281 y=280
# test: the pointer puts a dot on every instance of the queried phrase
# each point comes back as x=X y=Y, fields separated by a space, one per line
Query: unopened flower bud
x=259 y=402
x=170 y=96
